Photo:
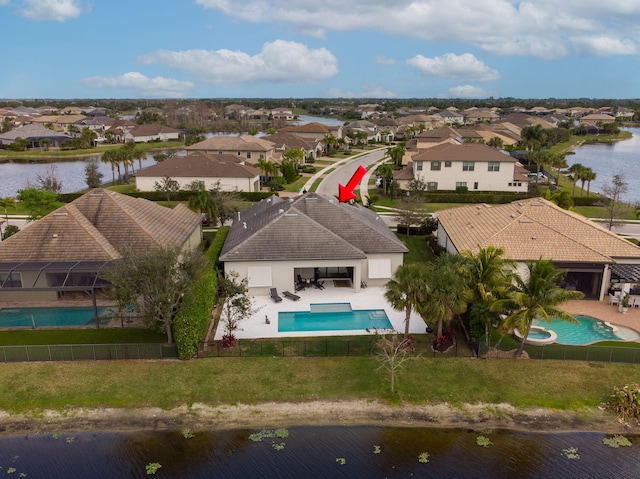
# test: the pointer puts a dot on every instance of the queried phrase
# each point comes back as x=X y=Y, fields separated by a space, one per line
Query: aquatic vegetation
x=278 y=446
x=152 y=468
x=571 y=453
x=423 y=457
x=376 y=449
x=187 y=433
x=341 y=460
x=616 y=441
x=483 y=441
x=11 y=470
x=269 y=433
x=70 y=439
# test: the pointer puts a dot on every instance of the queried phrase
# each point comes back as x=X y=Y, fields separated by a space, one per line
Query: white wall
x=447 y=177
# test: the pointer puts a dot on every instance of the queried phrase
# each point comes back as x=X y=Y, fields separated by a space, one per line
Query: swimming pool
x=340 y=320
x=589 y=330
x=53 y=316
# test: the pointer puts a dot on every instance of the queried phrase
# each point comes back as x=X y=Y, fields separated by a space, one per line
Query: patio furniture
x=614 y=299
x=292 y=296
x=274 y=295
x=319 y=284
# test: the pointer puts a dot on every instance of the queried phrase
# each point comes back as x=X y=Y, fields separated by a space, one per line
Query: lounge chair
x=292 y=296
x=274 y=295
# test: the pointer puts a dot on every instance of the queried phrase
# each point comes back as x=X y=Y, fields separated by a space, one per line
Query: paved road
x=343 y=173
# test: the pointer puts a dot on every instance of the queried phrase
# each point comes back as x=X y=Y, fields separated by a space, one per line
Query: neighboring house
x=153 y=132
x=209 y=169
x=314 y=131
x=314 y=236
x=536 y=228
x=248 y=147
x=471 y=165
x=282 y=114
x=480 y=116
x=363 y=126
x=284 y=141
x=595 y=119
x=450 y=117
x=67 y=249
x=60 y=122
x=34 y=134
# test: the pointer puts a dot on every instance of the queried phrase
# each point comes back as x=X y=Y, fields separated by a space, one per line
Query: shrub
x=625 y=402
x=192 y=321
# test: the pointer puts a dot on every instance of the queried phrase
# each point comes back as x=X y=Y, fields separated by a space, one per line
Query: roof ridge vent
x=60 y=213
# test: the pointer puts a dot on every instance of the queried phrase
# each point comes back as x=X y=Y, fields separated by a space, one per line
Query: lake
x=15 y=176
x=320 y=452
x=621 y=157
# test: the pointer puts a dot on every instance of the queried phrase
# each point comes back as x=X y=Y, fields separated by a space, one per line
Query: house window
x=262 y=156
x=239 y=153
x=248 y=155
x=468 y=165
x=259 y=276
x=475 y=185
x=432 y=186
x=461 y=184
x=435 y=165
x=447 y=164
x=419 y=166
x=11 y=280
x=494 y=166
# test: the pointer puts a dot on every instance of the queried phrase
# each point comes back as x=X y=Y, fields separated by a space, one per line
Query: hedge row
x=181 y=195
x=495 y=197
x=192 y=321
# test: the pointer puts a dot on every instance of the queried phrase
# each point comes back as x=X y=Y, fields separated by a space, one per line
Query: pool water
x=333 y=320
x=589 y=330
x=52 y=316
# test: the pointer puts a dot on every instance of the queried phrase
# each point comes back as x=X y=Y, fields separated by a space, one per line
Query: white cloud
x=464 y=67
x=604 y=46
x=541 y=28
x=468 y=91
x=279 y=61
x=56 y=10
x=144 y=86
x=382 y=60
x=370 y=91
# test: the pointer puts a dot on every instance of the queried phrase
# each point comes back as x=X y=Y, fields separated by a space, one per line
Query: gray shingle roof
x=310 y=226
x=201 y=165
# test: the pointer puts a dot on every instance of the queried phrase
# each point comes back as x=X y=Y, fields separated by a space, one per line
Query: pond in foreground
x=319 y=452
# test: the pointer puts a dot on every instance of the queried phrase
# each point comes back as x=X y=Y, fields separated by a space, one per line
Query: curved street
x=343 y=172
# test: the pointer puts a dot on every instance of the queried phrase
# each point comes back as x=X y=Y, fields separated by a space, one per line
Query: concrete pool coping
x=369 y=298
x=603 y=311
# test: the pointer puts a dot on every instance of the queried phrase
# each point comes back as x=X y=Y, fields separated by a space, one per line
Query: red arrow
x=345 y=193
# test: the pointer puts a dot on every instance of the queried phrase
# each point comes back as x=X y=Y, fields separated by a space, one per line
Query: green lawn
x=79 y=336
x=167 y=384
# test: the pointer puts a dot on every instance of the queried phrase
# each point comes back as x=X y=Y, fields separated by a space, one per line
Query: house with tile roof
x=34 y=134
x=313 y=236
x=314 y=130
x=284 y=141
x=245 y=146
x=229 y=171
x=153 y=132
x=472 y=165
x=536 y=228
x=67 y=249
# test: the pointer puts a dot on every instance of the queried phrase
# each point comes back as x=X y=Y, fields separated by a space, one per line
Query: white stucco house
x=275 y=242
x=232 y=172
x=472 y=165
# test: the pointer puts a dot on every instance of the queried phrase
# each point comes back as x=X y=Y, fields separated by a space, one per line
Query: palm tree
x=584 y=176
x=575 y=171
x=533 y=137
x=109 y=157
x=405 y=291
x=446 y=292
x=589 y=175
x=6 y=204
x=488 y=276
x=496 y=142
x=537 y=296
x=202 y=201
x=386 y=172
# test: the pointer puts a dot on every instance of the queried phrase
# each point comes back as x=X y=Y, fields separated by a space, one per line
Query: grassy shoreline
x=571 y=390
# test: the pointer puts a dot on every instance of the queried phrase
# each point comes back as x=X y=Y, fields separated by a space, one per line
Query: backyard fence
x=313 y=348
x=607 y=354
x=86 y=352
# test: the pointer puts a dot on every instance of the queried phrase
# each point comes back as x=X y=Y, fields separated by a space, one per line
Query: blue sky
x=320 y=49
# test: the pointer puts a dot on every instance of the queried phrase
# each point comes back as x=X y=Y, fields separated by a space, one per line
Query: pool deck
x=604 y=311
x=368 y=298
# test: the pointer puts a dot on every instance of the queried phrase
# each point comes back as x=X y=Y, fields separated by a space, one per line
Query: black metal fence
x=86 y=352
x=314 y=348
x=607 y=354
